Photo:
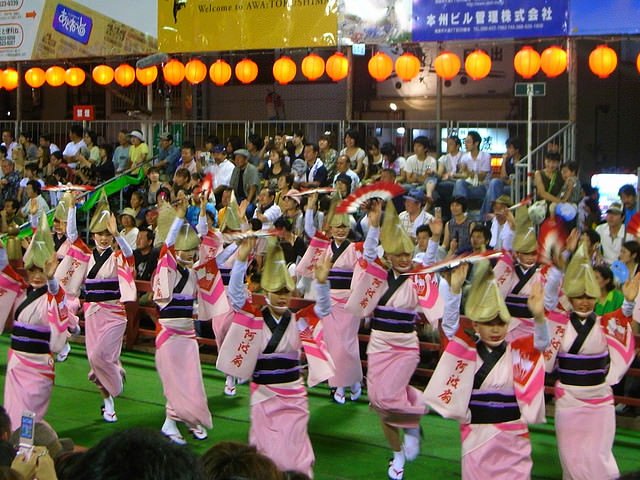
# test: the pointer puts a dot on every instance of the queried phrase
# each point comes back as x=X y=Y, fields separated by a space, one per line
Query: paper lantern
x=124 y=75
x=553 y=61
x=35 y=77
x=1 y=72
x=380 y=66
x=246 y=71
x=638 y=63
x=146 y=76
x=55 y=76
x=603 y=61
x=527 y=62
x=102 y=74
x=195 y=71
x=312 y=66
x=173 y=72
x=74 y=76
x=407 y=66
x=220 y=72
x=477 y=65
x=447 y=65
x=10 y=79
x=284 y=70
x=337 y=67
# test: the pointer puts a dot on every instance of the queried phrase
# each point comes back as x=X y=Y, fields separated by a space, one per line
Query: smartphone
x=27 y=427
x=438 y=212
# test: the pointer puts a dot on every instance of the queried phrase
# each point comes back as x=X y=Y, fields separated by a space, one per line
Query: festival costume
x=177 y=354
x=39 y=329
x=493 y=392
x=267 y=348
x=590 y=354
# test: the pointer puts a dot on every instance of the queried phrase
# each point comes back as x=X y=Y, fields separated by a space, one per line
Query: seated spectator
x=153 y=185
x=480 y=238
x=30 y=173
x=414 y=214
x=136 y=202
x=292 y=211
x=327 y=154
x=10 y=182
x=448 y=168
x=630 y=256
x=139 y=151
x=612 y=234
x=34 y=194
x=274 y=168
x=181 y=183
x=256 y=148
x=343 y=167
x=423 y=234
x=342 y=184
x=231 y=460
x=245 y=180
x=267 y=211
x=628 y=198
x=10 y=215
x=221 y=169
x=457 y=231
x=373 y=160
x=292 y=245
x=392 y=160
x=285 y=183
x=548 y=181
x=611 y=298
x=421 y=169
x=316 y=175
x=104 y=169
x=475 y=170
x=129 y=230
x=354 y=152
x=502 y=225
x=501 y=184
x=121 y=155
x=145 y=256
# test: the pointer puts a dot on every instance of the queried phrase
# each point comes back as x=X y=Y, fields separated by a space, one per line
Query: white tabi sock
x=109 y=405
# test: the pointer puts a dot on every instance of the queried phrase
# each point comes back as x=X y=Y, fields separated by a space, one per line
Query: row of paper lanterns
x=527 y=63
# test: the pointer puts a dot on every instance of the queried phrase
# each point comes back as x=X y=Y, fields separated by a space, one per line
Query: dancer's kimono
x=177 y=354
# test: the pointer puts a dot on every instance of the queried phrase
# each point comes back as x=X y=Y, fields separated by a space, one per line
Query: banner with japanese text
x=214 y=25
x=52 y=29
x=441 y=20
x=605 y=18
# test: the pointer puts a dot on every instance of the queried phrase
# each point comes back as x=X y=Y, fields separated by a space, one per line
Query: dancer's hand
x=458 y=276
x=51 y=265
x=245 y=248
x=535 y=302
x=322 y=269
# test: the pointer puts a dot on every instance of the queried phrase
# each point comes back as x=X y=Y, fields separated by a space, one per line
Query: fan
x=456 y=261
x=383 y=190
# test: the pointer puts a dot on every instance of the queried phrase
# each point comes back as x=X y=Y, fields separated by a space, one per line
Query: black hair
x=108 y=148
x=57 y=154
x=424 y=228
x=92 y=135
x=344 y=178
x=236 y=142
x=552 y=156
x=213 y=140
x=389 y=149
x=594 y=237
x=515 y=142
x=475 y=136
x=151 y=236
x=299 y=133
x=256 y=224
x=77 y=130
x=7 y=453
x=283 y=222
x=353 y=134
x=627 y=189
x=484 y=230
x=572 y=166
x=60 y=172
x=607 y=274
x=422 y=140
x=35 y=186
x=634 y=249
x=456 y=139
x=373 y=142
x=256 y=140
x=460 y=201
x=289 y=178
x=189 y=145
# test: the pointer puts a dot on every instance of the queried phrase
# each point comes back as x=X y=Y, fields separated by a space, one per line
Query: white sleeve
x=226 y=253
x=627 y=308
x=33 y=220
x=236 y=290
x=202 y=228
x=451 y=314
x=322 y=308
x=173 y=231
x=541 y=338
x=552 y=288
x=124 y=246
x=431 y=255
x=309 y=227
x=371 y=244
x=72 y=228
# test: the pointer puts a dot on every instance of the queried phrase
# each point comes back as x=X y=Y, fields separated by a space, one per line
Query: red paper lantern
x=195 y=71
x=35 y=77
x=124 y=75
x=447 y=65
x=146 y=76
x=173 y=72
x=527 y=62
x=477 y=65
x=102 y=74
x=74 y=76
x=380 y=66
x=55 y=76
x=246 y=71
x=553 y=61
x=312 y=66
x=284 y=70
x=603 y=61
x=337 y=67
x=220 y=72
x=407 y=66
x=10 y=79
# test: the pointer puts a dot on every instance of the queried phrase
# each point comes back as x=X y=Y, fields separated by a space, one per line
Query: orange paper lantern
x=246 y=71
x=380 y=66
x=146 y=76
x=173 y=72
x=527 y=62
x=74 y=76
x=35 y=77
x=10 y=79
x=447 y=65
x=477 y=65
x=638 y=63
x=220 y=72
x=337 y=67
x=102 y=74
x=312 y=66
x=407 y=66
x=553 y=61
x=603 y=61
x=284 y=70
x=124 y=75
x=55 y=76
x=1 y=72
x=195 y=71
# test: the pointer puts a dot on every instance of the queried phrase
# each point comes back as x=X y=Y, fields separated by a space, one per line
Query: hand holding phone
x=27 y=427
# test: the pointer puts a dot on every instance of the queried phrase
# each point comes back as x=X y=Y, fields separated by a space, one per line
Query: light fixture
x=393 y=107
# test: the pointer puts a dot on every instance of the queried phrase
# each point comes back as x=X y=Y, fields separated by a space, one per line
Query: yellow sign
x=215 y=25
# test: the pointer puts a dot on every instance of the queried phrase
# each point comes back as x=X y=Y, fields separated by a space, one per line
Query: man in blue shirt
x=168 y=155
x=627 y=194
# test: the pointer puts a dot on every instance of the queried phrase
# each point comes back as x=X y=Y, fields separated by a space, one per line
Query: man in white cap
x=613 y=233
x=139 y=152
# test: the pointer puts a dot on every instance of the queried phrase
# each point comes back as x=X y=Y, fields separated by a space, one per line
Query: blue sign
x=440 y=20
x=611 y=17
x=72 y=24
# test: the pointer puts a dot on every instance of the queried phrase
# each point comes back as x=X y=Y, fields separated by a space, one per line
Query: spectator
x=221 y=169
x=630 y=256
x=129 y=230
x=275 y=168
x=30 y=173
x=589 y=214
x=136 y=202
x=75 y=144
x=423 y=234
x=475 y=169
x=9 y=142
x=612 y=234
x=45 y=142
x=267 y=211
x=168 y=156
x=233 y=143
x=414 y=214
x=548 y=181
x=327 y=154
x=292 y=211
x=316 y=175
x=373 y=160
x=104 y=170
x=19 y=158
x=10 y=215
x=343 y=167
x=298 y=145
x=55 y=161
x=457 y=231
x=34 y=194
x=343 y=184
x=480 y=238
x=421 y=170
x=122 y=153
x=391 y=160
x=354 y=152
x=145 y=256
x=503 y=225
x=449 y=167
x=256 y=148
x=245 y=178
x=153 y=185
x=42 y=158
x=628 y=198
x=31 y=150
x=285 y=183
x=501 y=184
x=230 y=460
x=188 y=158
x=10 y=181
x=292 y=245
x=181 y=183
x=139 y=151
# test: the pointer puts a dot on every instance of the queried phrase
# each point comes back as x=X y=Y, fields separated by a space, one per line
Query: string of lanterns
x=527 y=63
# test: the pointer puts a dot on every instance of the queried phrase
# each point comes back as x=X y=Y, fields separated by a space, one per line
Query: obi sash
x=180 y=306
x=225 y=273
x=30 y=338
x=518 y=307
x=493 y=407
x=583 y=370
x=340 y=279
x=277 y=368
x=388 y=319
x=103 y=290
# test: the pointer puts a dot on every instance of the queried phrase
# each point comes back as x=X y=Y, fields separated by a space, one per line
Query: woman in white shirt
x=354 y=152
x=129 y=230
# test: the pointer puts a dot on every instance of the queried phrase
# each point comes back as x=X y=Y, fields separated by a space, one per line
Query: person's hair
x=51 y=181
x=572 y=166
x=57 y=154
x=227 y=460
x=7 y=453
x=389 y=149
x=156 y=458
x=372 y=142
x=270 y=191
x=92 y=135
x=65 y=462
x=627 y=189
x=46 y=137
x=299 y=133
x=344 y=178
x=289 y=178
x=324 y=203
x=422 y=140
x=514 y=142
x=77 y=130
x=634 y=249
x=325 y=137
x=607 y=274
x=283 y=222
x=184 y=173
x=213 y=140
x=108 y=149
x=475 y=136
x=10 y=132
x=256 y=141
x=460 y=201
x=484 y=230
x=314 y=146
x=60 y=172
x=256 y=224
x=594 y=237
x=5 y=420
x=236 y=142
x=552 y=156
x=390 y=171
x=151 y=236
x=353 y=134
x=139 y=194
x=188 y=144
x=33 y=167
x=153 y=169
x=35 y=186
x=456 y=139
x=424 y=228
x=27 y=135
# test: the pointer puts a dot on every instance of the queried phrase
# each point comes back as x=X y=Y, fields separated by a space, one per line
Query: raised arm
x=72 y=228
x=373 y=234
x=309 y=227
x=236 y=289
x=536 y=304
x=322 y=308
x=452 y=293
